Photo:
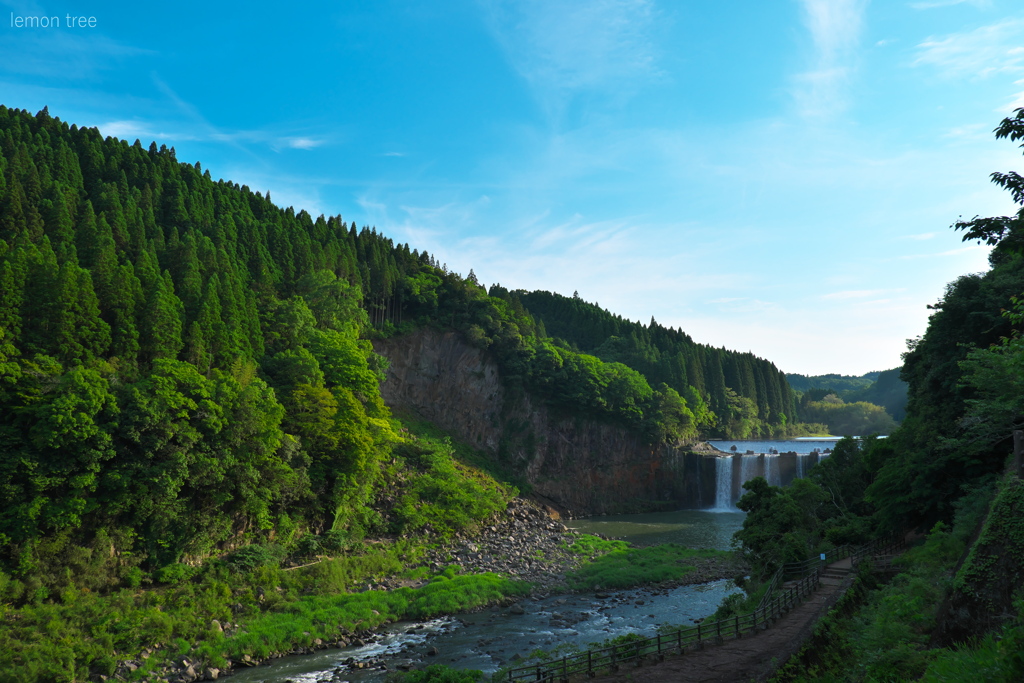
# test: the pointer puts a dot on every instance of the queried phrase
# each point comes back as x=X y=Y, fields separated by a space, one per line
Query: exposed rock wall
x=584 y=466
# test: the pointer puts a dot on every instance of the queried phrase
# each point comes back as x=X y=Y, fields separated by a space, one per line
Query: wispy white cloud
x=394 y=154
x=138 y=130
x=979 y=53
x=835 y=28
x=302 y=143
x=182 y=131
x=562 y=47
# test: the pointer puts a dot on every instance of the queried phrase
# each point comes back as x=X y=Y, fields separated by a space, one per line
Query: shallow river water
x=490 y=639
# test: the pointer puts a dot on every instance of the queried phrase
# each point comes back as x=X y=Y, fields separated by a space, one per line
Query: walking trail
x=753 y=657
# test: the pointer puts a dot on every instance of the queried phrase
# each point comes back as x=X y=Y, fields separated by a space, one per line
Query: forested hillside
x=750 y=396
x=184 y=364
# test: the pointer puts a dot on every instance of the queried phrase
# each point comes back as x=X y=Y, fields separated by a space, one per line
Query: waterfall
x=723 y=484
x=801 y=465
x=771 y=470
x=748 y=466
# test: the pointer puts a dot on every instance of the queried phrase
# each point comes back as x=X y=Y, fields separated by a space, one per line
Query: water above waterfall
x=806 y=445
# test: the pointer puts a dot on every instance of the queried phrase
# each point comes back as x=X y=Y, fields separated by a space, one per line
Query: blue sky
x=778 y=177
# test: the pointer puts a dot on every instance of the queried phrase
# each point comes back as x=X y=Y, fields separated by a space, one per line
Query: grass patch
x=86 y=633
x=628 y=567
x=322 y=617
x=593 y=546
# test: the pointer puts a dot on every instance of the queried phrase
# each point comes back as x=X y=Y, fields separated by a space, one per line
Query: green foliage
x=780 y=526
x=85 y=628
x=995 y=657
x=831 y=383
x=433 y=489
x=439 y=673
x=628 y=567
x=994 y=567
x=849 y=419
x=174 y=573
x=251 y=557
x=591 y=546
x=888 y=391
x=731 y=394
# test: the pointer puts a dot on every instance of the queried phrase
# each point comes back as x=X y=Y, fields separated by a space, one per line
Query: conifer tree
x=161 y=322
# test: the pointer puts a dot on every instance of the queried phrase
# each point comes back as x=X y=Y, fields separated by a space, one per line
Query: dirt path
x=751 y=658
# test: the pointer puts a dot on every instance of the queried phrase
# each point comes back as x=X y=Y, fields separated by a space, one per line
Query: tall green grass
x=628 y=567
x=86 y=633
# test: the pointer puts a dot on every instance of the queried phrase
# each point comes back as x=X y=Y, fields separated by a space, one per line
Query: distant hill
x=883 y=388
x=833 y=382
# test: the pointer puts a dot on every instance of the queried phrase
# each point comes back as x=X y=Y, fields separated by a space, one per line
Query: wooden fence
x=774 y=604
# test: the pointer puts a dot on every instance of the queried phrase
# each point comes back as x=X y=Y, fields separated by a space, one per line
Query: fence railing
x=773 y=605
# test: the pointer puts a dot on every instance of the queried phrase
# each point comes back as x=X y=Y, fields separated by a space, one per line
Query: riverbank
x=529 y=554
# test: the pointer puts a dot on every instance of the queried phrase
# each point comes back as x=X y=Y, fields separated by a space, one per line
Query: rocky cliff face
x=584 y=466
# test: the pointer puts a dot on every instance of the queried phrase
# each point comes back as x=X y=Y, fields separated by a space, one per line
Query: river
x=799 y=445
x=490 y=639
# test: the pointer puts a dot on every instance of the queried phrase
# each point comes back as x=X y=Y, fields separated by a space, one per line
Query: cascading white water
x=771 y=469
x=747 y=467
x=723 y=483
x=801 y=465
